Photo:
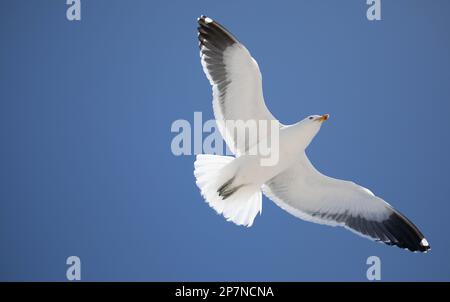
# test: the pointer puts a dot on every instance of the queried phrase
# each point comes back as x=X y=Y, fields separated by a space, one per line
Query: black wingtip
x=425 y=245
x=407 y=234
x=395 y=230
x=202 y=20
x=211 y=30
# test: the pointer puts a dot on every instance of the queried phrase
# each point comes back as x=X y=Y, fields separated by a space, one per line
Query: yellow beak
x=323 y=118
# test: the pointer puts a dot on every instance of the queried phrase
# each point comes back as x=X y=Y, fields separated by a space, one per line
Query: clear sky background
x=86 y=108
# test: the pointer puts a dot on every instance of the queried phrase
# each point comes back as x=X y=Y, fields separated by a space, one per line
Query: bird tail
x=216 y=179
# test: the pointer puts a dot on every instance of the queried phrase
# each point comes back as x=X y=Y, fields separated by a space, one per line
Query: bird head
x=314 y=119
x=311 y=126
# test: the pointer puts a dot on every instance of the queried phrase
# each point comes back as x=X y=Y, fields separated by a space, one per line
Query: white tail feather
x=212 y=172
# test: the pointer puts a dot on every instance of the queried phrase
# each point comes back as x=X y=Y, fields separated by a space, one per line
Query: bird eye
x=310 y=117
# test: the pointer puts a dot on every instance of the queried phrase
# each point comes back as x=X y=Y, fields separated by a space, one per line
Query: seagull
x=233 y=185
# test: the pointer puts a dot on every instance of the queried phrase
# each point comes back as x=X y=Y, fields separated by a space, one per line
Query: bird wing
x=236 y=82
x=305 y=193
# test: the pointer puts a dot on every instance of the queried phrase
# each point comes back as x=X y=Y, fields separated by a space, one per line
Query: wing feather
x=306 y=193
x=236 y=81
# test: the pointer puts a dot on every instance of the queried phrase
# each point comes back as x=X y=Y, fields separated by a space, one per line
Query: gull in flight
x=233 y=186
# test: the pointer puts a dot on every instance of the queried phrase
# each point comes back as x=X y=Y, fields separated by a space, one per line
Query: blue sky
x=86 y=109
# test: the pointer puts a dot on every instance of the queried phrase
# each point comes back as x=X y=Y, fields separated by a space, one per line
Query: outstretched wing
x=236 y=82
x=306 y=193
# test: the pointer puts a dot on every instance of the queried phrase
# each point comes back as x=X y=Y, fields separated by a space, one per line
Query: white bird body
x=233 y=186
x=292 y=144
